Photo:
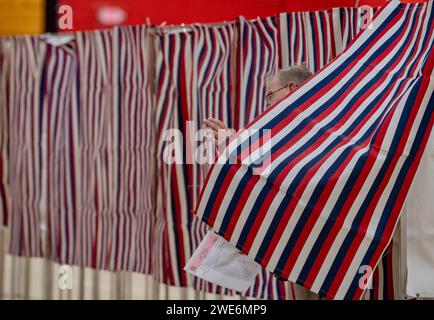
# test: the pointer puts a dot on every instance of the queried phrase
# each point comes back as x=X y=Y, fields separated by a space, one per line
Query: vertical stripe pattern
x=114 y=150
x=257 y=52
x=196 y=68
x=27 y=131
x=305 y=37
x=347 y=23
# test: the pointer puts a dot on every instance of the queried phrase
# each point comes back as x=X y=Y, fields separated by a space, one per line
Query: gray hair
x=298 y=73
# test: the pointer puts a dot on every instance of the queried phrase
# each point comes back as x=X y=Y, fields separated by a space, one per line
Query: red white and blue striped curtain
x=347 y=23
x=27 y=104
x=343 y=151
x=4 y=131
x=95 y=114
x=81 y=144
x=314 y=38
x=333 y=30
x=210 y=94
x=257 y=57
x=82 y=138
x=57 y=210
x=305 y=37
x=172 y=241
x=196 y=72
x=113 y=140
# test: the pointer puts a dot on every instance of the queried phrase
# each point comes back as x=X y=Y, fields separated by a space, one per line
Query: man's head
x=285 y=81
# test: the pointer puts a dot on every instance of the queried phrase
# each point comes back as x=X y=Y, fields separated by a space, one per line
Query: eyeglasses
x=268 y=96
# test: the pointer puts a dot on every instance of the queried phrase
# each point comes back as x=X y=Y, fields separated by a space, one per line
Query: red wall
x=189 y=11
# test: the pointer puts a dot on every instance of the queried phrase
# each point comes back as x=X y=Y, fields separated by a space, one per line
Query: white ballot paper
x=217 y=261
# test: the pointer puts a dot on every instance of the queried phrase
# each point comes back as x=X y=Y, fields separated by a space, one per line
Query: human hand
x=218 y=131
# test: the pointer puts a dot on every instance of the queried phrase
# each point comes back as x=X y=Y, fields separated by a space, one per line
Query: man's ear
x=292 y=85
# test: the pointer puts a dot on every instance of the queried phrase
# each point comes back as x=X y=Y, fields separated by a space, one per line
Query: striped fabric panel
x=347 y=23
x=94 y=122
x=4 y=130
x=27 y=131
x=134 y=137
x=58 y=210
x=343 y=25
x=82 y=149
x=195 y=80
x=305 y=37
x=209 y=94
x=343 y=152
x=171 y=243
x=114 y=150
x=40 y=91
x=193 y=83
x=257 y=57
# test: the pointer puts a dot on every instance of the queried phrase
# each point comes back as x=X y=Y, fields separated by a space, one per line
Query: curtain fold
x=28 y=107
x=114 y=149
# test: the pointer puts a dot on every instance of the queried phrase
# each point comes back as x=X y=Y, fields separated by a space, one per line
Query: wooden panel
x=22 y=16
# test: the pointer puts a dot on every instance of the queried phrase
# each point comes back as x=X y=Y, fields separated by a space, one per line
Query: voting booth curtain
x=90 y=119
x=317 y=200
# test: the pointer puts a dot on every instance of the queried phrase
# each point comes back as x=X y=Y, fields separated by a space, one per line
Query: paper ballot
x=217 y=261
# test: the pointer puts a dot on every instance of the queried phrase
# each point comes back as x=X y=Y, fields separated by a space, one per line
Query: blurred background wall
x=22 y=16
x=37 y=16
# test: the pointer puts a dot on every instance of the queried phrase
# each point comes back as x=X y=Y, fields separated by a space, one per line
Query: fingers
x=220 y=123
x=215 y=123
x=212 y=124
